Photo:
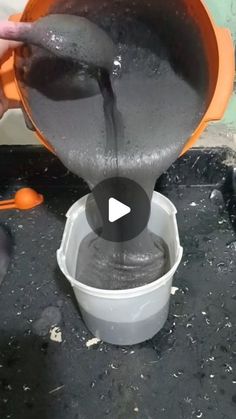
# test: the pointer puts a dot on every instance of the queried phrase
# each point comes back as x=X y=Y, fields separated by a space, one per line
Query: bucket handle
x=7 y=75
x=224 y=85
x=9 y=84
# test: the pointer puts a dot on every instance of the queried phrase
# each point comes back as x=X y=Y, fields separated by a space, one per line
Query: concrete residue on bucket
x=131 y=123
x=129 y=265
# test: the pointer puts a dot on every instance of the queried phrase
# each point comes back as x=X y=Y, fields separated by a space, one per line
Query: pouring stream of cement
x=132 y=122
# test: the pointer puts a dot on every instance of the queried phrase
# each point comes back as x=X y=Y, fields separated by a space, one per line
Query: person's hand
x=5 y=48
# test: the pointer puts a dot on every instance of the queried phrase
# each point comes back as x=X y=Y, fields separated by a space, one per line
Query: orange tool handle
x=9 y=201
x=25 y=199
x=9 y=204
x=7 y=74
x=7 y=207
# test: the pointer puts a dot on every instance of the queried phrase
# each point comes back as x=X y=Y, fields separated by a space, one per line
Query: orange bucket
x=216 y=44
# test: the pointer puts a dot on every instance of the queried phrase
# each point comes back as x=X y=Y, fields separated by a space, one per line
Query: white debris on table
x=174 y=290
x=92 y=342
x=55 y=334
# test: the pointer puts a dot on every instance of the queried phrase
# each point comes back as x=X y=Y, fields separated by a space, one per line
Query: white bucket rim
x=79 y=206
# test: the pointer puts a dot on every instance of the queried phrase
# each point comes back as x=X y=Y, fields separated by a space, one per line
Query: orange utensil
x=215 y=41
x=25 y=199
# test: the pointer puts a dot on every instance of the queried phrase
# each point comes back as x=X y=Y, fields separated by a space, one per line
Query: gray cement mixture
x=136 y=129
x=127 y=265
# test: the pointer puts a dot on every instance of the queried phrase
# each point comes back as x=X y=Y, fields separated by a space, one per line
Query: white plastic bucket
x=122 y=317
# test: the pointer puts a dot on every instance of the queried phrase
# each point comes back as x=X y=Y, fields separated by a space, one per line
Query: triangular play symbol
x=117 y=210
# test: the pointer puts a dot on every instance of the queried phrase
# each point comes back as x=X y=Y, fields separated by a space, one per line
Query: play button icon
x=118 y=209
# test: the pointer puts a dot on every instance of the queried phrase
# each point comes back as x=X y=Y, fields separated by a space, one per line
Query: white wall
x=8 y=7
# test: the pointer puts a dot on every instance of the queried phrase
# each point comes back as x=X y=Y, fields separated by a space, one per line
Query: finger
x=13 y=104
x=5 y=46
x=1 y=110
x=4 y=103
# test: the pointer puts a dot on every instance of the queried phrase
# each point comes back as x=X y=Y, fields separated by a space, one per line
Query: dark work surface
x=187 y=371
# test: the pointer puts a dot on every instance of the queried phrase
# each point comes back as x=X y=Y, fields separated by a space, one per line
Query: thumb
x=4 y=104
x=5 y=46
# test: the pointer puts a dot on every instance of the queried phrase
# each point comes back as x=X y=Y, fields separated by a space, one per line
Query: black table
x=187 y=371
